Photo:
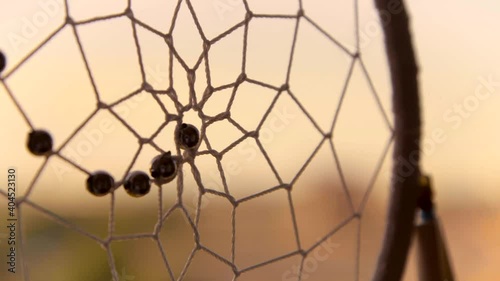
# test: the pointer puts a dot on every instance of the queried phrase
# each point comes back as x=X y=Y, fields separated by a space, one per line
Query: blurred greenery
x=57 y=253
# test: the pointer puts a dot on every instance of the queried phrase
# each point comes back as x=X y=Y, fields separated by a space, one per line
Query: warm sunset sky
x=456 y=46
x=457 y=49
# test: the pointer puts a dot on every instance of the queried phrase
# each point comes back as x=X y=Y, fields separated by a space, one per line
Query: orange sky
x=456 y=49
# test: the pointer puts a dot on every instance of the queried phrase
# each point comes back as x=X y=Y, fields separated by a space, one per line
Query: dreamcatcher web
x=198 y=103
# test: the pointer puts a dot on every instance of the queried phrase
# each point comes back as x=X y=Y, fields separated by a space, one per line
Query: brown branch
x=404 y=185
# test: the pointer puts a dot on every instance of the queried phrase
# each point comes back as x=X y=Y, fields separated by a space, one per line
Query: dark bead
x=188 y=136
x=164 y=168
x=137 y=184
x=39 y=142
x=3 y=62
x=100 y=183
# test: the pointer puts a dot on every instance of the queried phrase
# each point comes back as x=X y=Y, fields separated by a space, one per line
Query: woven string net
x=277 y=188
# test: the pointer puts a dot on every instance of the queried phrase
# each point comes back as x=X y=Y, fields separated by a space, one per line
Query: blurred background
x=460 y=85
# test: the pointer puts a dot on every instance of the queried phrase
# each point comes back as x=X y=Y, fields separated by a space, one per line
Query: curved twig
x=406 y=107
